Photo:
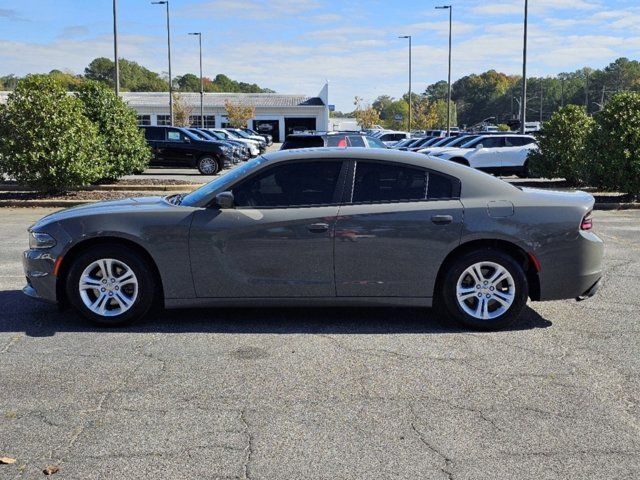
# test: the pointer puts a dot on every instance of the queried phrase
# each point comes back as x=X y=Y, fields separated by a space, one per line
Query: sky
x=295 y=46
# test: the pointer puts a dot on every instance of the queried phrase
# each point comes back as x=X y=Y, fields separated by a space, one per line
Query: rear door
x=516 y=151
x=396 y=227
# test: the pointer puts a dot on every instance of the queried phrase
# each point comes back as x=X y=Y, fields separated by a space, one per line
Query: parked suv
x=268 y=138
x=239 y=133
x=175 y=146
x=503 y=154
x=391 y=138
x=240 y=152
x=330 y=139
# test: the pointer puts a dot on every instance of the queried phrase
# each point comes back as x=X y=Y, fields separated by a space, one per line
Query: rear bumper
x=572 y=269
x=590 y=292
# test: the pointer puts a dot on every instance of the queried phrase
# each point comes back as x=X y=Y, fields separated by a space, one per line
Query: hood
x=110 y=206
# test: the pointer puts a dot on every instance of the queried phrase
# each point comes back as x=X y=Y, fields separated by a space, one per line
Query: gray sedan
x=323 y=227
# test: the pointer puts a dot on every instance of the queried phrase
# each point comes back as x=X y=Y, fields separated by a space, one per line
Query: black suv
x=175 y=146
x=330 y=139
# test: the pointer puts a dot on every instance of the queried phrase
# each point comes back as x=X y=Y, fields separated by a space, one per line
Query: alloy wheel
x=485 y=290
x=108 y=287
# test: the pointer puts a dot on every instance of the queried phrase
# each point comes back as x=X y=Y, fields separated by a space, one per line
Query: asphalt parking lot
x=325 y=393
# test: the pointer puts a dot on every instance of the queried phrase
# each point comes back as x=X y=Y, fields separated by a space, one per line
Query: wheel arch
x=85 y=244
x=513 y=250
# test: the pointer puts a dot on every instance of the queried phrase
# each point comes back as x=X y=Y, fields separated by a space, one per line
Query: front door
x=277 y=241
x=394 y=233
x=178 y=149
x=489 y=156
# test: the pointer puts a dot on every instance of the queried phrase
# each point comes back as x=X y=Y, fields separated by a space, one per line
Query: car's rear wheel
x=524 y=171
x=485 y=289
x=110 y=285
x=208 y=165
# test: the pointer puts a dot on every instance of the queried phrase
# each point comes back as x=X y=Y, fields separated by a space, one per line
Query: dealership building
x=276 y=114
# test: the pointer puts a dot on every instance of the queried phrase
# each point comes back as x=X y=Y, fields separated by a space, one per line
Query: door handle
x=442 y=219
x=318 y=227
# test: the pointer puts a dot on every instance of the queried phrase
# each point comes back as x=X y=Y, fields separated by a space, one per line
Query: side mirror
x=187 y=140
x=479 y=146
x=225 y=200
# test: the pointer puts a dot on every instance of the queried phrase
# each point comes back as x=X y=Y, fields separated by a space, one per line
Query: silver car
x=327 y=226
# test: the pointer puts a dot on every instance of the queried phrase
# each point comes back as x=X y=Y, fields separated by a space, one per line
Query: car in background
x=323 y=227
x=267 y=138
x=238 y=133
x=504 y=154
x=244 y=148
x=330 y=139
x=390 y=138
x=222 y=134
x=178 y=147
x=447 y=143
x=422 y=143
x=406 y=142
x=238 y=152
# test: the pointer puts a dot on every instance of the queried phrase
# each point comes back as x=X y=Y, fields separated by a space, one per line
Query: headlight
x=41 y=240
x=225 y=149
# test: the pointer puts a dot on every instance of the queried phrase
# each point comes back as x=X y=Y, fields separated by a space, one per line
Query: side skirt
x=299 y=302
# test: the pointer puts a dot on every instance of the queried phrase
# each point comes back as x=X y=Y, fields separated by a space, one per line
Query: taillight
x=587 y=222
x=342 y=143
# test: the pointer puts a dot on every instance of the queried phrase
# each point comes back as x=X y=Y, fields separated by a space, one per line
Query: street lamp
x=523 y=111
x=115 y=46
x=199 y=34
x=409 y=37
x=166 y=2
x=450 y=8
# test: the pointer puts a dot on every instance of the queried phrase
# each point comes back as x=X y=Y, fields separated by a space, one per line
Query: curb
x=118 y=188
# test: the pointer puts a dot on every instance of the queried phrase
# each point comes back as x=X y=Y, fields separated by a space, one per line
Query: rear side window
x=356 y=141
x=382 y=182
x=302 y=142
x=336 y=141
x=154 y=133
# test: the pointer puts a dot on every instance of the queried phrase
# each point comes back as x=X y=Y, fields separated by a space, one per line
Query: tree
x=181 y=111
x=239 y=115
x=365 y=114
x=47 y=141
x=133 y=77
x=127 y=151
x=563 y=146
x=188 y=83
x=614 y=148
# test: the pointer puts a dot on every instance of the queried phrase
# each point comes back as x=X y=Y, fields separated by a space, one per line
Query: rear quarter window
x=302 y=142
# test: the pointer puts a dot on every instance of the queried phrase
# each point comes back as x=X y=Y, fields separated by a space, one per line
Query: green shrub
x=46 y=141
x=563 y=141
x=615 y=145
x=127 y=150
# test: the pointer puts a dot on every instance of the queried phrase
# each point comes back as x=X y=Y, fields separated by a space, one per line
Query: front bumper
x=38 y=268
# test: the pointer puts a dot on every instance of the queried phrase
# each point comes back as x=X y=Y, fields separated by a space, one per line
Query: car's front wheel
x=485 y=289
x=110 y=285
x=208 y=165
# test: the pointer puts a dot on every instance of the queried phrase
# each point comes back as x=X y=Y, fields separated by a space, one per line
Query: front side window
x=384 y=182
x=336 y=141
x=356 y=141
x=290 y=185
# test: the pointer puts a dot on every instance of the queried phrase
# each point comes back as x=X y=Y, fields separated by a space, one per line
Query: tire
x=461 y=161
x=139 y=289
x=504 y=300
x=524 y=172
x=208 y=165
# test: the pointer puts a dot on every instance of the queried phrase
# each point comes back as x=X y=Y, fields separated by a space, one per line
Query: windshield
x=241 y=133
x=197 y=196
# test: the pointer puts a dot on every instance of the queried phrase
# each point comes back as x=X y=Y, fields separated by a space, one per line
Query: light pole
x=166 y=3
x=199 y=34
x=409 y=37
x=450 y=8
x=523 y=112
x=115 y=46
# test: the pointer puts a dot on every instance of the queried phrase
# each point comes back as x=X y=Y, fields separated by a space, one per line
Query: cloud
x=252 y=9
x=510 y=7
x=442 y=27
x=74 y=31
x=10 y=14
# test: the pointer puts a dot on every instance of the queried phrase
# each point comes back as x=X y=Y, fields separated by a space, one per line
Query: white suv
x=504 y=154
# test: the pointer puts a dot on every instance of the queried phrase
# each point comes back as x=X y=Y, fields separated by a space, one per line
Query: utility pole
x=409 y=37
x=541 y=100
x=115 y=47
x=199 y=34
x=450 y=8
x=523 y=106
